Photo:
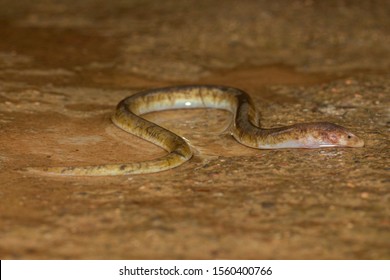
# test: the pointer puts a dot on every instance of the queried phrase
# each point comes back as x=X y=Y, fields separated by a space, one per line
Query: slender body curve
x=245 y=128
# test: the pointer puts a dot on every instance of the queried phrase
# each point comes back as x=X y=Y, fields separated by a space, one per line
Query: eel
x=245 y=128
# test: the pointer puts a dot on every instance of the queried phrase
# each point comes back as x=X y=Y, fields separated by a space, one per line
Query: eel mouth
x=348 y=139
x=356 y=143
x=351 y=141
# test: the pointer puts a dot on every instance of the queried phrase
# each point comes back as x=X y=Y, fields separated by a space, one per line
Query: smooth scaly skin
x=245 y=128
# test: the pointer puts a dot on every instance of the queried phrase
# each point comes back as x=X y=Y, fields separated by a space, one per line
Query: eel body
x=245 y=128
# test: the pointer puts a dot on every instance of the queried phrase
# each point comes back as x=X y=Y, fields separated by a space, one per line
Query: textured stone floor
x=65 y=65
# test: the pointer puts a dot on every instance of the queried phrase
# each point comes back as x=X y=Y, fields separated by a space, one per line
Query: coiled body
x=245 y=128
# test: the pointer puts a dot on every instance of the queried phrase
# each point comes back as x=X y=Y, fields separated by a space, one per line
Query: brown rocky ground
x=65 y=65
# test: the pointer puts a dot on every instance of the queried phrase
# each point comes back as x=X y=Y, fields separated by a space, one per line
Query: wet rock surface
x=64 y=67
